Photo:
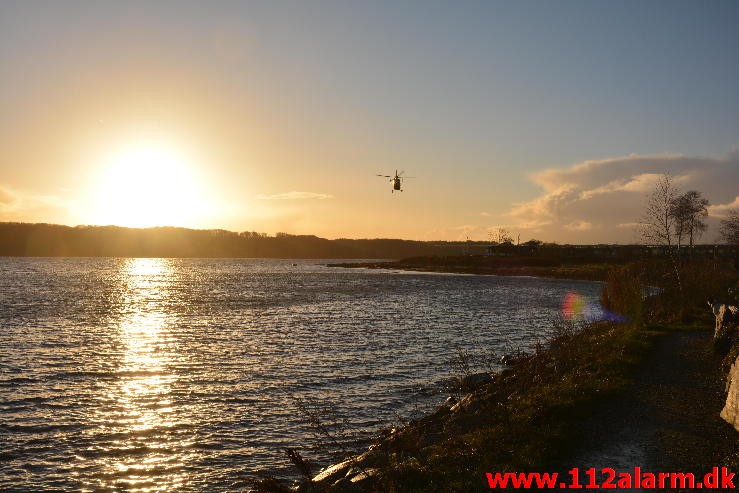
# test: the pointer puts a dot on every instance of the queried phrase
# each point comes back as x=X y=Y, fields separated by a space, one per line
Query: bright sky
x=551 y=119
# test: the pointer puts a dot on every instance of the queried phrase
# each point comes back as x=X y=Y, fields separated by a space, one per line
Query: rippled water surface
x=183 y=375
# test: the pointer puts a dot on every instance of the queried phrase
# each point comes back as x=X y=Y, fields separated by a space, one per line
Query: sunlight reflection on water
x=182 y=374
x=137 y=407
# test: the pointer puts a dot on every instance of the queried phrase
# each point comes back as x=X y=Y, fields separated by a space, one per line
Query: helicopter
x=397 y=180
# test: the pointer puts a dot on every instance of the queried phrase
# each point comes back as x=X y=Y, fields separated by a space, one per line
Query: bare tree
x=688 y=211
x=730 y=228
x=656 y=225
x=501 y=236
x=679 y=214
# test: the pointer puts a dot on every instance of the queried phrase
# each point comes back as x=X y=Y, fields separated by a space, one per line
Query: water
x=183 y=374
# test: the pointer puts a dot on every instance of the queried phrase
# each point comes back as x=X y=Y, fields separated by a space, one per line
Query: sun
x=147 y=183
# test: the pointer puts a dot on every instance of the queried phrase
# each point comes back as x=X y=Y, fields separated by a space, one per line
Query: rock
x=306 y=487
x=462 y=404
x=344 y=485
x=364 y=475
x=730 y=412
x=357 y=481
x=350 y=468
x=473 y=381
x=370 y=458
x=468 y=404
x=511 y=359
x=726 y=323
x=334 y=472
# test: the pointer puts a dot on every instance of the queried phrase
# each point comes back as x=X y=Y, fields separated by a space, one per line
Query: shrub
x=623 y=292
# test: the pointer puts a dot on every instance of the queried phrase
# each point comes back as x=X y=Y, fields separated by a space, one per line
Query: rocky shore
x=522 y=417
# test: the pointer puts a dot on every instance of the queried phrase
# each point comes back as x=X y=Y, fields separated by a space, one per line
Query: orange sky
x=277 y=117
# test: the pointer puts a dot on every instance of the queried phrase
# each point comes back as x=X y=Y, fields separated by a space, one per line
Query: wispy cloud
x=579 y=226
x=20 y=205
x=296 y=196
x=13 y=199
x=7 y=198
x=457 y=233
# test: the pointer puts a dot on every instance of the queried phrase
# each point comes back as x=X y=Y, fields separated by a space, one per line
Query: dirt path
x=669 y=419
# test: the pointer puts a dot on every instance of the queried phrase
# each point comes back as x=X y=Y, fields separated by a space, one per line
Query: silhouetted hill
x=51 y=240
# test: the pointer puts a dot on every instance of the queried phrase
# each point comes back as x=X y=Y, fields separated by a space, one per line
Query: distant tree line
x=50 y=240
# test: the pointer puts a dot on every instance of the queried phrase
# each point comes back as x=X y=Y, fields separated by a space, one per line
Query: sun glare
x=147 y=184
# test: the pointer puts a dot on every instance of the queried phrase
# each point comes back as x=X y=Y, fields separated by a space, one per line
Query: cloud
x=579 y=226
x=640 y=183
x=457 y=233
x=721 y=210
x=7 y=198
x=600 y=200
x=19 y=205
x=296 y=196
x=542 y=210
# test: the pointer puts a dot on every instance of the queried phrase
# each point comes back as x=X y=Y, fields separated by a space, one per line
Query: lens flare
x=576 y=307
x=573 y=306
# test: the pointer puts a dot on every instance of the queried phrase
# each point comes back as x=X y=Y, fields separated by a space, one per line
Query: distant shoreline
x=451 y=265
x=532 y=258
